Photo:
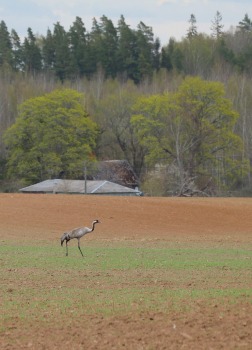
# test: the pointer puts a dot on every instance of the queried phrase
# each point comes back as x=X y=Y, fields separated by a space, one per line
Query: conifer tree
x=5 y=46
x=245 y=24
x=217 y=26
x=48 y=51
x=31 y=53
x=145 y=41
x=78 y=47
x=62 y=66
x=95 y=47
x=127 y=51
x=16 y=50
x=192 y=30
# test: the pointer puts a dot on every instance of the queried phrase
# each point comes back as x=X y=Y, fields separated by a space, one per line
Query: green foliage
x=225 y=52
x=52 y=134
x=198 y=55
x=172 y=56
x=87 y=60
x=193 y=130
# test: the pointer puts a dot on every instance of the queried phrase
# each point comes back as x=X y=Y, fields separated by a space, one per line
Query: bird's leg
x=80 y=248
x=66 y=249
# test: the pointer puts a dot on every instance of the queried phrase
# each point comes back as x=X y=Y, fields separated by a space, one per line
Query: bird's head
x=96 y=221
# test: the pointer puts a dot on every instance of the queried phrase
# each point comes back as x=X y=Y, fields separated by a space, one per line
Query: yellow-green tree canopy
x=192 y=129
x=52 y=134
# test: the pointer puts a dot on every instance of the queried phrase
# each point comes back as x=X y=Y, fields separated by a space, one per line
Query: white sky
x=168 y=18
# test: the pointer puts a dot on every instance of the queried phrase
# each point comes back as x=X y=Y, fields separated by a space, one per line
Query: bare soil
x=41 y=219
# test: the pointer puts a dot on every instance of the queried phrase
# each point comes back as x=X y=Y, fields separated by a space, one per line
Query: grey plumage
x=77 y=233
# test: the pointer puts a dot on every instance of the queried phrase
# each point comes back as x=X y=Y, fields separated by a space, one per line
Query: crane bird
x=77 y=233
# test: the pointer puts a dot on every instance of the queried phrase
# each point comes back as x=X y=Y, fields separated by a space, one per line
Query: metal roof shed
x=102 y=187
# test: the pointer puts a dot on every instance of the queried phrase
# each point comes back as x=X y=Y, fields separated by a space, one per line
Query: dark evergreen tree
x=225 y=52
x=192 y=30
x=145 y=43
x=103 y=45
x=31 y=53
x=156 y=54
x=172 y=56
x=78 y=47
x=109 y=47
x=245 y=24
x=6 y=57
x=48 y=51
x=165 y=59
x=95 y=47
x=16 y=50
x=127 y=51
x=217 y=26
x=62 y=66
x=91 y=61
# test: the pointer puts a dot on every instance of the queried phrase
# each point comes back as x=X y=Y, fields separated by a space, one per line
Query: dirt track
x=43 y=218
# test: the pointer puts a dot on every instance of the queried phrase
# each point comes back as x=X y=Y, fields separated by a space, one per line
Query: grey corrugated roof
x=78 y=186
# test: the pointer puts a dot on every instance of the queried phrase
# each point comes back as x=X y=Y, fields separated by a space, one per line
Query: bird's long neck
x=93 y=226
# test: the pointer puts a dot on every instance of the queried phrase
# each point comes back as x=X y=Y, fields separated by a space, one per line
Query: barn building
x=116 y=171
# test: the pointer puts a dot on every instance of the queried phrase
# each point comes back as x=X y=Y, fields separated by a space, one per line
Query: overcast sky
x=168 y=18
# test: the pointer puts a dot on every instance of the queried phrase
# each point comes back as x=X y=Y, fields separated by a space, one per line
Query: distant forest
x=112 y=65
x=125 y=53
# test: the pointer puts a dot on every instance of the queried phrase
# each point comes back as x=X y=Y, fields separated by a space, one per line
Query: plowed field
x=157 y=273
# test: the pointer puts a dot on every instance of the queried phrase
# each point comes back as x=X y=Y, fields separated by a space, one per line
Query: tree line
x=122 y=52
x=188 y=132
x=119 y=71
x=118 y=51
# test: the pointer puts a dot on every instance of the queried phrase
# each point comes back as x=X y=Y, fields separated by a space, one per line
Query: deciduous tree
x=193 y=130
x=118 y=138
x=52 y=135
